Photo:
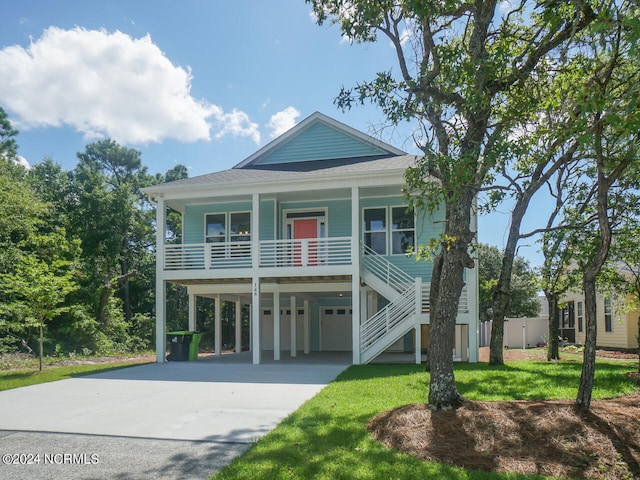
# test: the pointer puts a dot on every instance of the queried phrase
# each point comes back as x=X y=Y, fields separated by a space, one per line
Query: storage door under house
x=285 y=329
x=335 y=329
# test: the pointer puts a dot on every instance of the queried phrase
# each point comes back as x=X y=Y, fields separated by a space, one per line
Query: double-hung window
x=402 y=230
x=375 y=229
x=580 y=317
x=389 y=229
x=608 y=311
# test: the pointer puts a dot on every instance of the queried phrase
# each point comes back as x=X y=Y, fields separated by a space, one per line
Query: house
x=311 y=232
x=617 y=325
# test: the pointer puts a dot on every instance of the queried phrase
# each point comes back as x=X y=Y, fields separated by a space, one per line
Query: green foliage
x=8 y=145
x=524 y=284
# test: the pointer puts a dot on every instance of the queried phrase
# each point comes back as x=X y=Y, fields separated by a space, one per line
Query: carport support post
x=355 y=275
x=307 y=346
x=255 y=321
x=192 y=312
x=218 y=327
x=238 y=326
x=276 y=325
x=294 y=320
x=418 y=334
x=161 y=291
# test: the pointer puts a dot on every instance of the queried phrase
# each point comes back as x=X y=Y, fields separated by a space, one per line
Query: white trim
x=286 y=221
x=227 y=223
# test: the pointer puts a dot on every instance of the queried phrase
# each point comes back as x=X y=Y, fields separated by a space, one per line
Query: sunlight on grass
x=22 y=378
x=327 y=436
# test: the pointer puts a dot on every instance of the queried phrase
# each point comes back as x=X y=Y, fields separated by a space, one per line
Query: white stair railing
x=376 y=328
x=386 y=271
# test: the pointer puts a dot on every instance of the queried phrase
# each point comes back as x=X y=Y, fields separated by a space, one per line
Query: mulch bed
x=548 y=437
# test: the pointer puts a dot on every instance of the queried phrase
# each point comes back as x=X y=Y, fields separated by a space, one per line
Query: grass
x=22 y=378
x=327 y=437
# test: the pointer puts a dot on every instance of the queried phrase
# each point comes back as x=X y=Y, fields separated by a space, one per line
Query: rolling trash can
x=178 y=346
x=194 y=346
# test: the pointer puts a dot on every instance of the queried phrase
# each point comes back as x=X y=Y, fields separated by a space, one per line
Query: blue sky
x=204 y=83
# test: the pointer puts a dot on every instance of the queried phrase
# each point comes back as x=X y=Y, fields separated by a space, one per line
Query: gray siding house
x=311 y=232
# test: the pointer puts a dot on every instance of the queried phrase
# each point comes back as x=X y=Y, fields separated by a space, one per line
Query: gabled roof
x=316 y=138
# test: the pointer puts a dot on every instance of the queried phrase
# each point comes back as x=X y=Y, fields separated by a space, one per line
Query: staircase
x=398 y=318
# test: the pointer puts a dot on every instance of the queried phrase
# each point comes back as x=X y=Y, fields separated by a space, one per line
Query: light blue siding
x=319 y=142
x=338 y=214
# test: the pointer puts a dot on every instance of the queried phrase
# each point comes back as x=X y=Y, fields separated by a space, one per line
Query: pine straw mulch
x=545 y=437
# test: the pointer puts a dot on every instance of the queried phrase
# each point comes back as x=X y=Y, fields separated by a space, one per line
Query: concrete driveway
x=176 y=420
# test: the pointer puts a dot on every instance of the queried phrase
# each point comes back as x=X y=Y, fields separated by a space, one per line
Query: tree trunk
x=553 y=347
x=502 y=294
x=583 y=401
x=454 y=257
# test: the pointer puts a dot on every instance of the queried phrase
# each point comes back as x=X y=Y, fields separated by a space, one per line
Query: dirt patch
x=516 y=354
x=548 y=438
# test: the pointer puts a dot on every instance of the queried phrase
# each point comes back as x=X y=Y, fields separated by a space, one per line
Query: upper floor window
x=389 y=230
x=402 y=230
x=375 y=229
x=232 y=227
x=215 y=228
x=608 y=324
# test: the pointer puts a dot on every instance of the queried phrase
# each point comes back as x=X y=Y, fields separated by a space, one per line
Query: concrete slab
x=185 y=403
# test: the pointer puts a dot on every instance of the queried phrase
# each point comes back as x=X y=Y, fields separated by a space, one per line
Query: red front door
x=305 y=253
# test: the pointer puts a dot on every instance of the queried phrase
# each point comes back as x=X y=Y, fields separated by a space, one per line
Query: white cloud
x=20 y=160
x=108 y=84
x=282 y=121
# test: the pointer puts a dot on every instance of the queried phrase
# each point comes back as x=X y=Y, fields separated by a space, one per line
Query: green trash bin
x=179 y=345
x=194 y=346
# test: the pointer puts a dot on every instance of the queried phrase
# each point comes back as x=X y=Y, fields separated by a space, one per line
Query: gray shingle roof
x=298 y=170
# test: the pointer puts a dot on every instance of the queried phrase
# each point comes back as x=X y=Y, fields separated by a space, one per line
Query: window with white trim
x=402 y=230
x=608 y=311
x=580 y=317
x=375 y=229
x=389 y=229
x=238 y=228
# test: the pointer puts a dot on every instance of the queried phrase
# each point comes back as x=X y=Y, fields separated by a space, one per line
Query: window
x=240 y=227
x=402 y=230
x=580 y=317
x=375 y=229
x=215 y=231
x=238 y=230
x=608 y=325
x=394 y=235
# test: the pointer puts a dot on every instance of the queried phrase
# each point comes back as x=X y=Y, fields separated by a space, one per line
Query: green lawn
x=327 y=438
x=21 y=378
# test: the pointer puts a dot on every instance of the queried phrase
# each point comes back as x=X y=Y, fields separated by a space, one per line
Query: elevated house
x=311 y=232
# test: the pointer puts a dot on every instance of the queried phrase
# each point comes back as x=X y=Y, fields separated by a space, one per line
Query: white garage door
x=335 y=329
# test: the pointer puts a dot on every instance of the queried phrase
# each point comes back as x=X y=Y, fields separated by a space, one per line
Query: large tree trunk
x=553 y=347
x=454 y=257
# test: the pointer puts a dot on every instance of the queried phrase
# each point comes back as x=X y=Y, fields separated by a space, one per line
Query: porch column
x=307 y=328
x=161 y=291
x=192 y=312
x=218 y=327
x=418 y=334
x=255 y=321
x=355 y=275
x=294 y=321
x=276 y=325
x=238 y=326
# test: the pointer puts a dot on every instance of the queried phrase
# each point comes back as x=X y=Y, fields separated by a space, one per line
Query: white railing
x=386 y=271
x=463 y=306
x=378 y=326
x=306 y=252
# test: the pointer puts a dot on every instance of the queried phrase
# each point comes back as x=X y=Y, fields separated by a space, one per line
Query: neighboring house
x=524 y=332
x=617 y=325
x=310 y=231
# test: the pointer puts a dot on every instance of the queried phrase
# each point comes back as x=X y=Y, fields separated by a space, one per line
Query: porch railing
x=306 y=252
